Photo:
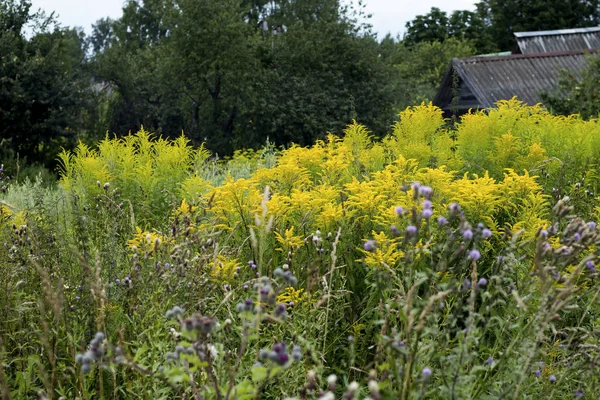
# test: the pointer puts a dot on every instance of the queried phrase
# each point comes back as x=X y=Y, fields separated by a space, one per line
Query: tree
x=43 y=84
x=436 y=26
x=509 y=16
x=577 y=95
x=233 y=73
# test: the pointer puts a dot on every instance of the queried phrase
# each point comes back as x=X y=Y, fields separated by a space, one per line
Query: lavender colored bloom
x=490 y=361
x=474 y=255
x=227 y=287
x=552 y=379
x=370 y=245
x=486 y=233
x=426 y=372
x=577 y=236
x=482 y=282
x=291 y=304
x=578 y=393
x=427 y=213
x=442 y=221
x=427 y=204
x=544 y=234
x=425 y=191
x=245 y=287
x=415 y=186
x=590 y=266
x=538 y=373
x=399 y=210
x=394 y=230
x=118 y=281
x=411 y=230
x=591 y=225
x=468 y=234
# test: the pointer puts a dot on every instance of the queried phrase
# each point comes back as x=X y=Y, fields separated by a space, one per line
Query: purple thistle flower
x=538 y=373
x=427 y=213
x=426 y=372
x=370 y=245
x=474 y=255
x=399 y=210
x=427 y=204
x=544 y=234
x=486 y=233
x=227 y=287
x=411 y=230
x=490 y=361
x=425 y=191
x=590 y=266
x=552 y=379
x=394 y=230
x=245 y=287
x=578 y=393
x=442 y=221
x=591 y=225
x=468 y=234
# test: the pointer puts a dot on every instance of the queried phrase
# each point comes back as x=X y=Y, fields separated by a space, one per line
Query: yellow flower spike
x=288 y=241
x=291 y=295
x=384 y=253
x=223 y=268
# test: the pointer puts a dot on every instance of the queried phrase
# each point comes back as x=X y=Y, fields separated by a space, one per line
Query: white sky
x=388 y=15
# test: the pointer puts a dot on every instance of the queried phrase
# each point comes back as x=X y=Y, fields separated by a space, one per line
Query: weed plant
x=420 y=266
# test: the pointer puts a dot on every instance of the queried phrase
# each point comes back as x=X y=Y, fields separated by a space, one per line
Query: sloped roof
x=490 y=79
x=558 y=40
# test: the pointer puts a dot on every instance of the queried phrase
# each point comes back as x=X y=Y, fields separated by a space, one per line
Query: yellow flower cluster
x=350 y=182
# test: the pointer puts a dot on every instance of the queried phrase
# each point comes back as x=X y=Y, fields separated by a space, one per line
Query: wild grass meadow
x=434 y=263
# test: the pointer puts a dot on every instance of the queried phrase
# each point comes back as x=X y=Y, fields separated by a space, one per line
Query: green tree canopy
x=43 y=85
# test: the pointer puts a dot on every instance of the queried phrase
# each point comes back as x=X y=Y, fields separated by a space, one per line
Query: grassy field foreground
x=432 y=263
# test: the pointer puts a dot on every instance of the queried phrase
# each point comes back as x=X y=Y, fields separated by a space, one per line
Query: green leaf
x=259 y=374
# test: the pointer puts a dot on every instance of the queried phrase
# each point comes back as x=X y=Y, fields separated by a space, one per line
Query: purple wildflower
x=474 y=255
x=426 y=372
x=427 y=213
x=468 y=234
x=399 y=210
x=486 y=233
x=591 y=225
x=411 y=230
x=427 y=204
x=426 y=191
x=442 y=221
x=552 y=379
x=490 y=361
x=370 y=245
x=538 y=373
x=482 y=282
x=590 y=266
